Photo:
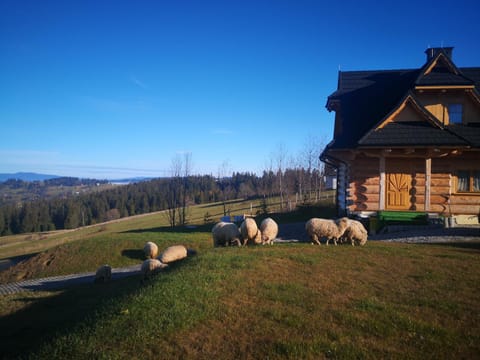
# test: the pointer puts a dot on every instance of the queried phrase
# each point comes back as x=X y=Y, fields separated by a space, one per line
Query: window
x=455 y=113
x=468 y=181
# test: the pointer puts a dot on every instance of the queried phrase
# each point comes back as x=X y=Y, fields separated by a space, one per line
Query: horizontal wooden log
x=364 y=207
x=465 y=199
x=434 y=182
x=437 y=199
x=374 y=198
x=441 y=191
x=438 y=208
x=364 y=188
x=465 y=209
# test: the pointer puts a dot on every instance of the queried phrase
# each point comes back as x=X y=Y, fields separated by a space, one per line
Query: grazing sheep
x=103 y=274
x=225 y=234
x=249 y=232
x=151 y=250
x=173 y=253
x=269 y=230
x=317 y=228
x=151 y=267
x=355 y=232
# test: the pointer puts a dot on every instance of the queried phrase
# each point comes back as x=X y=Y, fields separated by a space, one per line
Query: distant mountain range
x=130 y=180
x=27 y=176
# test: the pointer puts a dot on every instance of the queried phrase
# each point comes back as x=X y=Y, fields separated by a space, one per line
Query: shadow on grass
x=218 y=204
x=43 y=317
x=178 y=229
x=135 y=254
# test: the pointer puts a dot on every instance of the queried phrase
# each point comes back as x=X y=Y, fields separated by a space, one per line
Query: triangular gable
x=408 y=110
x=441 y=71
x=440 y=61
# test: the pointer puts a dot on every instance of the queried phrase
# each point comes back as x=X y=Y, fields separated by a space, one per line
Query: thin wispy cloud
x=138 y=82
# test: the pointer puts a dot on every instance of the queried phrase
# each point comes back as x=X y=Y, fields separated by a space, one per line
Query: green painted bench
x=385 y=218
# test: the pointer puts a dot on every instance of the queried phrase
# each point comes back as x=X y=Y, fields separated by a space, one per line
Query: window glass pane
x=455 y=112
x=476 y=181
x=462 y=183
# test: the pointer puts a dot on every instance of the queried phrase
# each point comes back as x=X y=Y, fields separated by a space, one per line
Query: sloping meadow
x=283 y=301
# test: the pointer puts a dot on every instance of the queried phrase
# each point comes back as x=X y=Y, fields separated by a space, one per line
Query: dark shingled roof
x=415 y=133
x=443 y=78
x=444 y=73
x=470 y=133
x=367 y=97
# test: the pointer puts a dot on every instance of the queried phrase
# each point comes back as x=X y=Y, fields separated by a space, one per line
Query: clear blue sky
x=110 y=89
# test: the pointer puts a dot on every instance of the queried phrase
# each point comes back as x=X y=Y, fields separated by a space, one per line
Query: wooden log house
x=407 y=140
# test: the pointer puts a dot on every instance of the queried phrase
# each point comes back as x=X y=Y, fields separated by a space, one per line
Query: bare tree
x=310 y=156
x=187 y=165
x=280 y=157
x=173 y=198
x=223 y=171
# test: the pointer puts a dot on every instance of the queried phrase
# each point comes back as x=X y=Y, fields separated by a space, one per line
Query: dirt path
x=64 y=281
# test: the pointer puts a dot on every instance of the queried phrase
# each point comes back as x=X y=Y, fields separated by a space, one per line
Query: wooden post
x=382 y=185
x=428 y=180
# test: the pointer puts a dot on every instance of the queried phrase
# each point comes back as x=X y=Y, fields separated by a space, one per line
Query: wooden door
x=398 y=191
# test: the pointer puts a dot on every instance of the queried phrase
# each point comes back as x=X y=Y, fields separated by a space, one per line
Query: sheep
x=151 y=267
x=249 y=232
x=355 y=232
x=225 y=234
x=173 y=253
x=151 y=250
x=317 y=228
x=269 y=230
x=103 y=274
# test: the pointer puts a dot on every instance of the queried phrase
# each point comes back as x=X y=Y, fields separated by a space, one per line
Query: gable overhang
x=440 y=58
x=450 y=77
x=444 y=87
x=333 y=104
x=408 y=100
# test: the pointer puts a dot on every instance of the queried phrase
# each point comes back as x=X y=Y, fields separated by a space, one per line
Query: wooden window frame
x=471 y=177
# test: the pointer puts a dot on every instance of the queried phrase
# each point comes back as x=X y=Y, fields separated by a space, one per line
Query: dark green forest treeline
x=173 y=194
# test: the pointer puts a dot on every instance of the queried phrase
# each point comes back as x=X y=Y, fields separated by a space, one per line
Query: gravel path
x=287 y=233
x=63 y=281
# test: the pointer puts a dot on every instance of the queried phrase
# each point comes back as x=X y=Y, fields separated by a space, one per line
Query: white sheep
x=269 y=230
x=225 y=234
x=318 y=228
x=151 y=250
x=173 y=253
x=151 y=267
x=103 y=274
x=355 y=232
x=249 y=232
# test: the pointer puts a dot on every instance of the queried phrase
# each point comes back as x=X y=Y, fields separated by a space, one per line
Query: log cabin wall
x=363 y=184
x=446 y=198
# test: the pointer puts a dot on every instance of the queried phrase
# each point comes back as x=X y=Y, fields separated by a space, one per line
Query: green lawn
x=287 y=301
x=283 y=301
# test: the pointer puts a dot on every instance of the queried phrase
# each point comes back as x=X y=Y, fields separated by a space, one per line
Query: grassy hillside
x=283 y=301
x=287 y=301
x=16 y=245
